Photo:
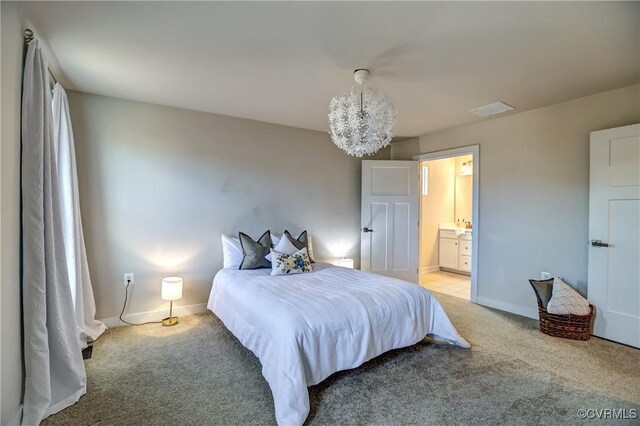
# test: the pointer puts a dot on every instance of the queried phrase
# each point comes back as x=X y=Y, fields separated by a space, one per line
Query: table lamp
x=171 y=290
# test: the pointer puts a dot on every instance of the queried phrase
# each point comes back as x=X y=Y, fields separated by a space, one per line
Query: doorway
x=448 y=225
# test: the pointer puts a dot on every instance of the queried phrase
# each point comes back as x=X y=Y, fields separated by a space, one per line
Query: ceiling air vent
x=491 y=109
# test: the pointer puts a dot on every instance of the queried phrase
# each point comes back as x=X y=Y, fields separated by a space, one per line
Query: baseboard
x=508 y=307
x=157 y=315
x=456 y=271
x=427 y=269
x=17 y=419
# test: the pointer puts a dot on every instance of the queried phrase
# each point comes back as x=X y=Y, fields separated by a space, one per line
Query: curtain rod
x=28 y=37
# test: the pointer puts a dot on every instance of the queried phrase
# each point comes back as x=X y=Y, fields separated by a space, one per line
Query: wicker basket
x=576 y=327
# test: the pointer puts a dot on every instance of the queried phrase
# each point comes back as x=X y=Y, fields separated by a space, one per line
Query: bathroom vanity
x=455 y=249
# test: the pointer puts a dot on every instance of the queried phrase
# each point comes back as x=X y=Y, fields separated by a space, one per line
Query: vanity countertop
x=453 y=227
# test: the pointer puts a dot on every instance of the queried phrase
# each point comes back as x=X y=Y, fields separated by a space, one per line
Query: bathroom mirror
x=463 y=201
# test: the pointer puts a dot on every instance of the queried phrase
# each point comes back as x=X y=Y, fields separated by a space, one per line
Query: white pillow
x=310 y=247
x=565 y=300
x=282 y=246
x=296 y=263
x=285 y=246
x=231 y=252
x=275 y=239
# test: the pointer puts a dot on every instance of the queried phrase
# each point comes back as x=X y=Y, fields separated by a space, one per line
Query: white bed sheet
x=305 y=327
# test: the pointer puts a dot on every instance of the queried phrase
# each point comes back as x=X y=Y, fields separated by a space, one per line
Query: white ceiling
x=282 y=62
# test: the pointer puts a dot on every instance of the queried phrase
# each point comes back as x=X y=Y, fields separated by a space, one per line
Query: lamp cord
x=124 y=305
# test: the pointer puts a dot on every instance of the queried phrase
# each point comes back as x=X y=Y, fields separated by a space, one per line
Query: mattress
x=305 y=327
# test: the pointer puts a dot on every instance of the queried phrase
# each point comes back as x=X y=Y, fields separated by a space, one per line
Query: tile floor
x=456 y=285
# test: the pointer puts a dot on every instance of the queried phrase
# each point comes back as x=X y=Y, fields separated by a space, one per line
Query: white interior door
x=614 y=233
x=389 y=242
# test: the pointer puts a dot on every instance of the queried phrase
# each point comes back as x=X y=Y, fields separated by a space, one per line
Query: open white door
x=614 y=233
x=389 y=242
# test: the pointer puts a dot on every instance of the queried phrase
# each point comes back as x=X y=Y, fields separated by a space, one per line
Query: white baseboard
x=157 y=315
x=508 y=307
x=427 y=269
x=456 y=271
x=17 y=419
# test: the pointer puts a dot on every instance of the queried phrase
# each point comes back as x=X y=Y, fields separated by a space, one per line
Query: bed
x=305 y=327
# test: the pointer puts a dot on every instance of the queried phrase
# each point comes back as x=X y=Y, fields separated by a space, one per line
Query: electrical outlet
x=543 y=275
x=128 y=278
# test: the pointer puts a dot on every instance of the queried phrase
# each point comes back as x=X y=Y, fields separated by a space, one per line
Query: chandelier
x=361 y=121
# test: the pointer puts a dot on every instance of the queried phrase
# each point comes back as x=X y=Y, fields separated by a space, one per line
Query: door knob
x=365 y=229
x=598 y=243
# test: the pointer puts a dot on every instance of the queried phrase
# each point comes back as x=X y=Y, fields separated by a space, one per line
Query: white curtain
x=54 y=371
x=89 y=328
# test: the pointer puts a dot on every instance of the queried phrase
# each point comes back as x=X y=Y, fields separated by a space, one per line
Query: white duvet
x=305 y=327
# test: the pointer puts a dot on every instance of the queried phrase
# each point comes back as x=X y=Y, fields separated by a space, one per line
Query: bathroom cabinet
x=455 y=251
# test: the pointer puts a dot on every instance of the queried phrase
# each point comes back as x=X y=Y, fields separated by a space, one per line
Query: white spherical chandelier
x=361 y=121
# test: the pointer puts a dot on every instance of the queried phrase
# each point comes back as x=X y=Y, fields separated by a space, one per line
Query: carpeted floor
x=197 y=373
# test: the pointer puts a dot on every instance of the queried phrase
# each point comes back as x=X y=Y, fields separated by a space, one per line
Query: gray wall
x=534 y=190
x=159 y=185
x=11 y=353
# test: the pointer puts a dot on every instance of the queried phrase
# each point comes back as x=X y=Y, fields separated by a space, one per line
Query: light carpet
x=197 y=373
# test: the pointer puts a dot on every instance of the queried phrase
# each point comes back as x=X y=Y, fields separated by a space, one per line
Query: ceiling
x=282 y=62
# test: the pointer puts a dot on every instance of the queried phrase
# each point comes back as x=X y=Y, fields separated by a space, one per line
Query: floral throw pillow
x=284 y=264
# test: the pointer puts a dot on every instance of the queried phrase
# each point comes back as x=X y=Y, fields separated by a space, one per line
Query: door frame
x=474 y=151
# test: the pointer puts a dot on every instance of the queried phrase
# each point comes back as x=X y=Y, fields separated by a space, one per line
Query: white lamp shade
x=171 y=288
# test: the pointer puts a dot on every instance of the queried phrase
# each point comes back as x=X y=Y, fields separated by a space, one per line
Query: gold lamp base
x=170 y=321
